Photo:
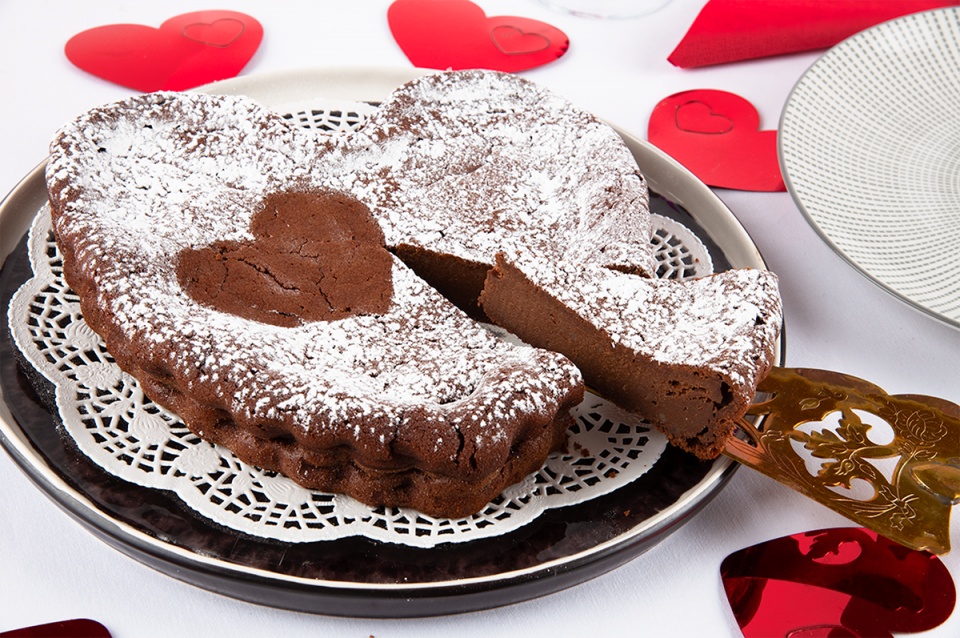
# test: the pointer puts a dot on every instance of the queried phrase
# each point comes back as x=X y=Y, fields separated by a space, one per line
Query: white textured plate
x=870 y=150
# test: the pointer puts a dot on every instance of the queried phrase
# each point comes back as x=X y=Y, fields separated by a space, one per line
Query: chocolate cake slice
x=686 y=355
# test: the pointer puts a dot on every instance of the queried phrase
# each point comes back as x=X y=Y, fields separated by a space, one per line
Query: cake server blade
x=910 y=505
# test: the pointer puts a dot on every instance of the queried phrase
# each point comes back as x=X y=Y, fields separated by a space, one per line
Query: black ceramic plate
x=357 y=576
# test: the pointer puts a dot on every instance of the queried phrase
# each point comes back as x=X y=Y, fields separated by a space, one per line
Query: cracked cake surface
x=197 y=232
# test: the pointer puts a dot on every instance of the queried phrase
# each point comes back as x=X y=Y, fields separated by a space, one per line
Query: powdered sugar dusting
x=491 y=162
x=725 y=322
x=136 y=183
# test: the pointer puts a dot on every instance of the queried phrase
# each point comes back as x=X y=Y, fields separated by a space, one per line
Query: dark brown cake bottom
x=339 y=471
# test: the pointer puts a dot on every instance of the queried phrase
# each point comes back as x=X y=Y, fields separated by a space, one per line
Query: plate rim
x=680 y=186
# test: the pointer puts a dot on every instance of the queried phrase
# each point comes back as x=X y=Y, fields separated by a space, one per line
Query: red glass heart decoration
x=187 y=50
x=715 y=134
x=79 y=628
x=457 y=34
x=836 y=582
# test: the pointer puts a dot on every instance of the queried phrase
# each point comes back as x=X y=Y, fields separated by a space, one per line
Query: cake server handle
x=912 y=507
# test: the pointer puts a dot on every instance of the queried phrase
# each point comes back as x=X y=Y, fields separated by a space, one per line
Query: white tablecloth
x=52 y=569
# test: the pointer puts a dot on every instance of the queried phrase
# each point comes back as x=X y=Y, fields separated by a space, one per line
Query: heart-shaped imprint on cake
x=285 y=279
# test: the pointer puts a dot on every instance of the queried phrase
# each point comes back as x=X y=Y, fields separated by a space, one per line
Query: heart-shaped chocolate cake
x=310 y=302
x=315 y=257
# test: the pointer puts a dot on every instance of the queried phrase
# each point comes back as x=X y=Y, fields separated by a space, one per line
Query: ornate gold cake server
x=912 y=508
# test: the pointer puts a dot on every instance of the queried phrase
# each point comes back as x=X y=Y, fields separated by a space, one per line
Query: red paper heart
x=187 y=50
x=836 y=582
x=514 y=41
x=716 y=135
x=457 y=34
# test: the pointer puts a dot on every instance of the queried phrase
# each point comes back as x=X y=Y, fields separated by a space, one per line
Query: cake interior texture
x=686 y=355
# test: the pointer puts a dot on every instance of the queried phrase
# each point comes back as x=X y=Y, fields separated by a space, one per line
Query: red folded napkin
x=730 y=30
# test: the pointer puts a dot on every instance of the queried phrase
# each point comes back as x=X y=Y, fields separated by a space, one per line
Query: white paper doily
x=106 y=413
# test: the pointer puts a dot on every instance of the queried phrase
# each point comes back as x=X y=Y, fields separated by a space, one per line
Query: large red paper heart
x=457 y=34
x=836 y=582
x=716 y=135
x=187 y=50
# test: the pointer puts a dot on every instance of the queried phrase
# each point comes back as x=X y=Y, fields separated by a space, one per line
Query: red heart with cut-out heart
x=836 y=582
x=457 y=34
x=187 y=50
x=716 y=135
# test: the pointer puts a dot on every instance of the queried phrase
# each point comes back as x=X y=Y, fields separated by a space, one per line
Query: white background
x=51 y=569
